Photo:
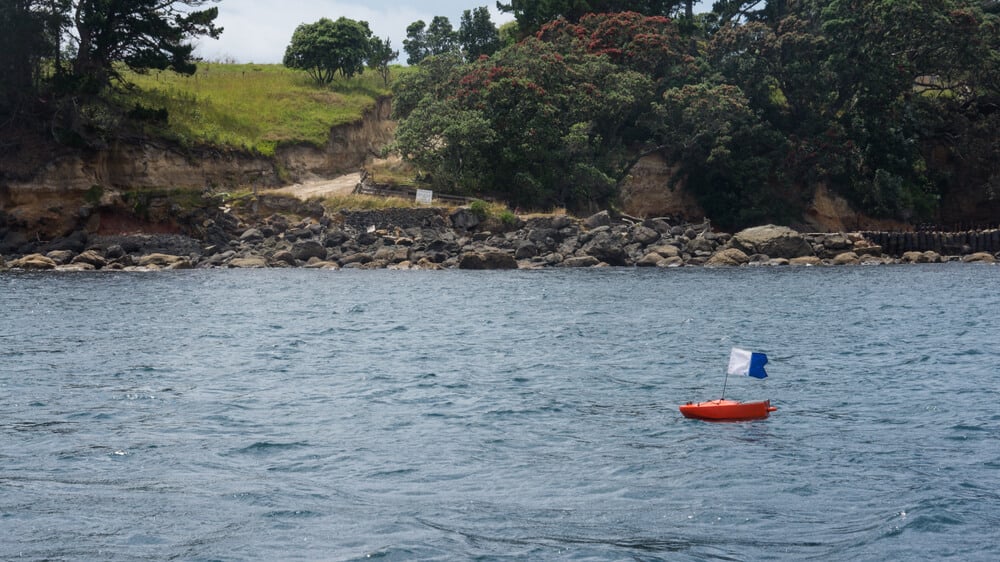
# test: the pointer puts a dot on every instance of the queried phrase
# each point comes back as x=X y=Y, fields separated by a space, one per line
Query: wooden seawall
x=945 y=243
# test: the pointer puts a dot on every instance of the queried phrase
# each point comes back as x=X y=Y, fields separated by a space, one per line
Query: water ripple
x=482 y=415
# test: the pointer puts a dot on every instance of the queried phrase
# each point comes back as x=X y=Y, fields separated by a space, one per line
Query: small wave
x=291 y=514
x=268 y=447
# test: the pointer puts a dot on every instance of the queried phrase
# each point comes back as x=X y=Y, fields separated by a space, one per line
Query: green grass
x=371 y=203
x=250 y=106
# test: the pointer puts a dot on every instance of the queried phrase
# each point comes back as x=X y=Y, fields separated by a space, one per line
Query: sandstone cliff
x=72 y=189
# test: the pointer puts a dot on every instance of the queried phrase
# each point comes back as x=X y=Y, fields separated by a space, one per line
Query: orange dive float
x=727 y=410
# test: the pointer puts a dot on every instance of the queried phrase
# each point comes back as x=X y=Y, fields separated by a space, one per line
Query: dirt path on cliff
x=341 y=185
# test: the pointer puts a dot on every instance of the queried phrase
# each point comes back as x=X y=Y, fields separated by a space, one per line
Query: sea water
x=530 y=415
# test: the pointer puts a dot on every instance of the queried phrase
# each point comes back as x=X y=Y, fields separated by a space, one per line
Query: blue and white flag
x=743 y=362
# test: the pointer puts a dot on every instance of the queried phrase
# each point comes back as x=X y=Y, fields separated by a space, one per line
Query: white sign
x=425 y=196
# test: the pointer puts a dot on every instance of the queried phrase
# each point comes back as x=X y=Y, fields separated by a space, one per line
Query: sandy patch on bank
x=341 y=185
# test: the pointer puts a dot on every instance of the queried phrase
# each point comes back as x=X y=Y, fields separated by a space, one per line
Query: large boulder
x=645 y=235
x=61 y=257
x=728 y=257
x=608 y=248
x=807 y=261
x=920 y=257
x=772 y=241
x=33 y=261
x=701 y=245
x=251 y=262
x=303 y=251
x=602 y=218
x=657 y=255
x=165 y=261
x=580 y=261
x=283 y=257
x=252 y=235
x=76 y=242
x=846 y=258
x=392 y=254
x=525 y=249
x=464 y=219
x=491 y=259
x=91 y=257
x=980 y=257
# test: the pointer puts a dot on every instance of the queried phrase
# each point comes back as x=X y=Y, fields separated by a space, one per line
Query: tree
x=380 y=55
x=101 y=38
x=741 y=11
x=326 y=47
x=855 y=86
x=139 y=34
x=531 y=15
x=424 y=40
x=561 y=111
x=477 y=34
x=441 y=36
x=415 y=44
x=728 y=157
x=648 y=44
x=23 y=45
x=434 y=77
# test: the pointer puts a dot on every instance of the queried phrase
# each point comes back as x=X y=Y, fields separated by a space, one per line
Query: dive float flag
x=743 y=362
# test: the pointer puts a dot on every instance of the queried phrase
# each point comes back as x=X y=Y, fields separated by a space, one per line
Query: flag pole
x=724 y=383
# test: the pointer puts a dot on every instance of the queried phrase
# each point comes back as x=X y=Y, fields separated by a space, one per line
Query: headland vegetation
x=596 y=138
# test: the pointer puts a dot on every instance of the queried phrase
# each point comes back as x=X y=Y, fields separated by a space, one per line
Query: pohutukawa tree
x=545 y=122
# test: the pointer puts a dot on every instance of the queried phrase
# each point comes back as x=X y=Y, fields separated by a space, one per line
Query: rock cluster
x=441 y=239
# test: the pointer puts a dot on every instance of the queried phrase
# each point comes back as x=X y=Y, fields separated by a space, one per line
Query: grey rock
x=33 y=262
x=728 y=257
x=91 y=258
x=775 y=241
x=608 y=248
x=580 y=261
x=251 y=262
x=645 y=235
x=487 y=260
x=251 y=235
x=526 y=250
x=464 y=219
x=602 y=218
x=61 y=257
x=304 y=250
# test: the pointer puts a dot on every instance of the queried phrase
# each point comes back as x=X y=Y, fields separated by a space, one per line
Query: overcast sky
x=259 y=30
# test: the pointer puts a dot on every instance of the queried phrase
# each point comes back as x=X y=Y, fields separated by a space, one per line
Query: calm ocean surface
x=530 y=415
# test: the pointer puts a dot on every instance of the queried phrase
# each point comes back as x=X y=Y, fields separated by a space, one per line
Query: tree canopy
x=883 y=101
x=545 y=121
x=380 y=55
x=477 y=35
x=327 y=47
x=531 y=15
x=58 y=57
x=100 y=35
x=423 y=41
x=141 y=34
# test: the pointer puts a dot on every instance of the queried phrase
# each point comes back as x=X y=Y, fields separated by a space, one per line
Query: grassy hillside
x=248 y=106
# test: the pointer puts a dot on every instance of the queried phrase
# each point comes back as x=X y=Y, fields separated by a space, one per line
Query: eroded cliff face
x=347 y=149
x=646 y=193
x=66 y=192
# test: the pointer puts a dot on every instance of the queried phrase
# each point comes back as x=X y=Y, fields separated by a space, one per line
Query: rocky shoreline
x=435 y=238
